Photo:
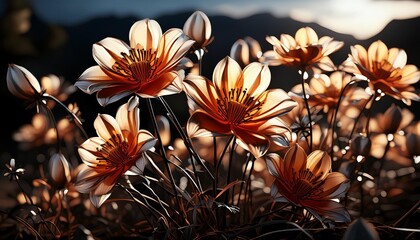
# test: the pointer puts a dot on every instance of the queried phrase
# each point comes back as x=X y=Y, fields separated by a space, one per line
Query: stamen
x=238 y=106
x=139 y=65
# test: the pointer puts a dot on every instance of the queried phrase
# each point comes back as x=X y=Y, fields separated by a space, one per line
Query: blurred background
x=56 y=37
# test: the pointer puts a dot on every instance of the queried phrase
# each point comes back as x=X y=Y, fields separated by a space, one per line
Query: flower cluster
x=251 y=160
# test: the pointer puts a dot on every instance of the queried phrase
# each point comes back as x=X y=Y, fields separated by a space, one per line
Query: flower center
x=115 y=153
x=385 y=70
x=305 y=184
x=139 y=65
x=238 y=106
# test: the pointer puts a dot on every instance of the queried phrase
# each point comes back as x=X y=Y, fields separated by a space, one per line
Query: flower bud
x=245 y=51
x=59 y=169
x=22 y=83
x=198 y=28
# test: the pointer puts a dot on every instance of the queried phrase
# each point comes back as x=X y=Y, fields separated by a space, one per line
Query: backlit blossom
x=303 y=50
x=147 y=67
x=118 y=148
x=386 y=70
x=237 y=102
x=307 y=181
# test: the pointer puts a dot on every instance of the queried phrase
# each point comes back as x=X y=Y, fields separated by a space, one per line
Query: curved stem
x=78 y=122
x=243 y=178
x=166 y=160
x=185 y=138
x=308 y=109
x=335 y=115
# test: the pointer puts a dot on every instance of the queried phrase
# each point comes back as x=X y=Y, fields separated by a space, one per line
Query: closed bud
x=245 y=51
x=59 y=169
x=198 y=28
x=23 y=84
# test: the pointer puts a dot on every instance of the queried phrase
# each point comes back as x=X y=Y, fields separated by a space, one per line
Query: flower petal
x=146 y=33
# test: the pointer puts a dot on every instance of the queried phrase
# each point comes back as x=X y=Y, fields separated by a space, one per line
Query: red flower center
x=139 y=65
x=238 y=106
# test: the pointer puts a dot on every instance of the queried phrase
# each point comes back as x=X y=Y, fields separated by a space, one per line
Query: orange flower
x=147 y=67
x=307 y=181
x=198 y=28
x=385 y=69
x=118 y=148
x=302 y=51
x=236 y=102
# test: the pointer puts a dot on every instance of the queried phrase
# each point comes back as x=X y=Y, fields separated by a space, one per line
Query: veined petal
x=158 y=86
x=206 y=121
x=106 y=126
x=378 y=51
x=85 y=179
x=107 y=96
x=257 y=78
x=88 y=157
x=276 y=102
x=294 y=160
x=202 y=92
x=329 y=208
x=397 y=57
x=172 y=47
x=335 y=185
x=227 y=75
x=254 y=142
x=306 y=36
x=146 y=33
x=93 y=79
x=274 y=165
x=108 y=50
x=319 y=162
x=128 y=115
x=145 y=140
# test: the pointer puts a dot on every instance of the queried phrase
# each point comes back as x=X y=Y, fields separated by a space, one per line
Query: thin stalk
x=166 y=160
x=308 y=109
x=184 y=136
x=219 y=162
x=335 y=115
x=407 y=214
x=214 y=165
x=243 y=178
x=232 y=150
x=137 y=203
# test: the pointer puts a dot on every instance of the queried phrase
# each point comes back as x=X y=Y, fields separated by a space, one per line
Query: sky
x=360 y=18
